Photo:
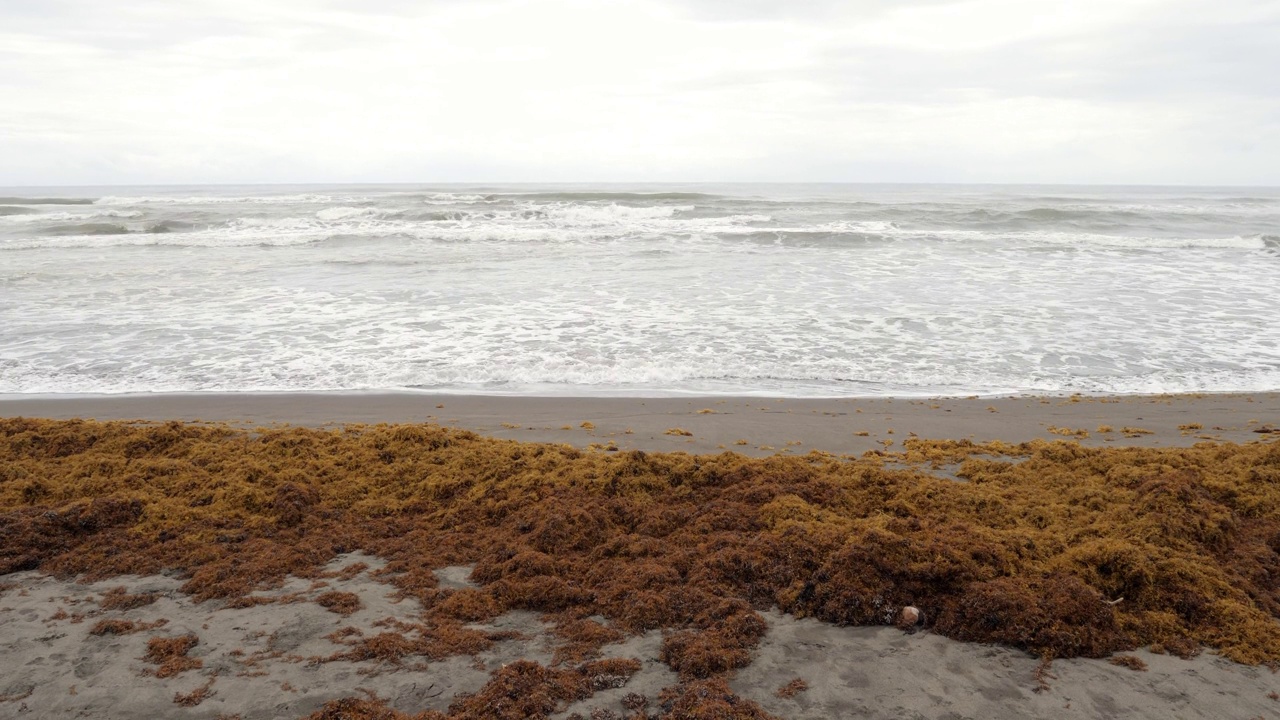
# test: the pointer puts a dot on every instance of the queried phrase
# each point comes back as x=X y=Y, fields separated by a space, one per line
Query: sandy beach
x=260 y=662
x=479 y=610
x=645 y=360
x=767 y=425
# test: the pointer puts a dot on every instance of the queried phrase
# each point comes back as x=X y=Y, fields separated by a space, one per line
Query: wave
x=808 y=238
x=439 y=216
x=33 y=217
x=820 y=235
x=157 y=239
x=543 y=373
x=242 y=232
x=841 y=232
x=1146 y=243
x=170 y=226
x=485 y=196
x=561 y=214
x=561 y=222
x=1070 y=213
x=609 y=196
x=575 y=214
x=1238 y=199
x=556 y=223
x=302 y=199
x=87 y=229
x=6 y=210
x=1083 y=239
x=343 y=212
x=1183 y=208
x=1135 y=216
x=45 y=201
x=443 y=198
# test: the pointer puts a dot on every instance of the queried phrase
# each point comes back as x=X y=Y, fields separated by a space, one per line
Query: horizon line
x=500 y=183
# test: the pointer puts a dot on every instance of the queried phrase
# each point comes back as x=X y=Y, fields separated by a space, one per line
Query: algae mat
x=1049 y=547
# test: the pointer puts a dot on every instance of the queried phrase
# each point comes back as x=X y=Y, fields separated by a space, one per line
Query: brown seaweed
x=170 y=654
x=343 y=603
x=1052 y=547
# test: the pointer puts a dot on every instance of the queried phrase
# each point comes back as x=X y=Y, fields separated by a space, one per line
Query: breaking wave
x=89 y=229
x=300 y=199
x=34 y=218
x=45 y=201
x=612 y=196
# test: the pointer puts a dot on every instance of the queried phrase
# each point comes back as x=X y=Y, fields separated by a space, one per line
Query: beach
x=714 y=424
x=61 y=669
x=654 y=360
x=469 y=577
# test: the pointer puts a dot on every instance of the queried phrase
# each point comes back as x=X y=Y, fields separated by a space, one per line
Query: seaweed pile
x=1051 y=547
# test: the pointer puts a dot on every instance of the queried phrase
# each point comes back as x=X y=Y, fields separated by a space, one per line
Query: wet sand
x=748 y=425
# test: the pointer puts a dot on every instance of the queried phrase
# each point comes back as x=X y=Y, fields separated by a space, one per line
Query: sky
x=1005 y=91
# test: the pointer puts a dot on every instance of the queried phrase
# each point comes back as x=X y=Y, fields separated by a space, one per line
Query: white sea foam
x=633 y=292
x=62 y=216
x=1084 y=239
x=441 y=198
x=570 y=213
x=1147 y=243
x=337 y=214
x=1258 y=207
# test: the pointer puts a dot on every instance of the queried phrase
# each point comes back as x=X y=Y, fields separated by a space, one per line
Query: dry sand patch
x=259 y=661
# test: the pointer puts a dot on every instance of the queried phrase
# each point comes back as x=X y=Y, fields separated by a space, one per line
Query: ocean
x=788 y=290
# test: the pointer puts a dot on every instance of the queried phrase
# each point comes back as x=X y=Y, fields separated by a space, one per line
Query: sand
x=260 y=662
x=260 y=658
x=751 y=426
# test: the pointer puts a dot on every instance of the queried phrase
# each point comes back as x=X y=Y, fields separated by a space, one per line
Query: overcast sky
x=203 y=91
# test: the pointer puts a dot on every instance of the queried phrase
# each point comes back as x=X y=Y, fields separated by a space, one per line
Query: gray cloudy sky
x=1091 y=91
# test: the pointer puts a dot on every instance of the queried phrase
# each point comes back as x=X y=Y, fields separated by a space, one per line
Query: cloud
x=801 y=11
x=145 y=91
x=1150 y=58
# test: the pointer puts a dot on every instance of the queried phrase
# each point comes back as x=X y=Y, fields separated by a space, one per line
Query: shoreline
x=748 y=425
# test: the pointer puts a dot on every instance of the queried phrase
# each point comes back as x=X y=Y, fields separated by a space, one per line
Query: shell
x=911 y=616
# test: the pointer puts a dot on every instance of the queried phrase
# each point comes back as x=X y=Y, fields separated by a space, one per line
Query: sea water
x=805 y=290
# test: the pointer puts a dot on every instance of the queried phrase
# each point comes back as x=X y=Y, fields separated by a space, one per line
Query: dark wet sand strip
x=749 y=425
